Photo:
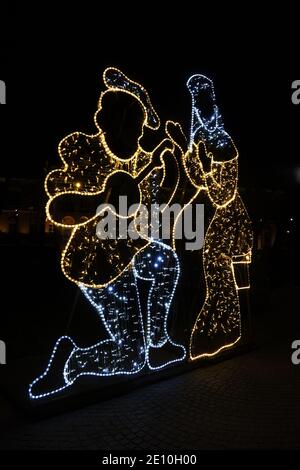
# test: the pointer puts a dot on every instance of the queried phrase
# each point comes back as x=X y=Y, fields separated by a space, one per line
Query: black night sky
x=53 y=71
x=52 y=58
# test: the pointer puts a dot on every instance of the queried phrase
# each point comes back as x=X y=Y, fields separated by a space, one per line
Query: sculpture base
x=14 y=380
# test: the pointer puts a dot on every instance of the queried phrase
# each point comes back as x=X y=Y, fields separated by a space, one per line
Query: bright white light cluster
x=207 y=124
x=119 y=306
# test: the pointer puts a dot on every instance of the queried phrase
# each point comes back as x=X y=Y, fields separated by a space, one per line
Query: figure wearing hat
x=211 y=164
x=108 y=270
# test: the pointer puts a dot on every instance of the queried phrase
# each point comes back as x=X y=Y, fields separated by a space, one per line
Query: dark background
x=52 y=62
x=56 y=61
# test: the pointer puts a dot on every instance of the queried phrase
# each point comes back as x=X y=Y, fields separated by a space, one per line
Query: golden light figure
x=88 y=165
x=211 y=165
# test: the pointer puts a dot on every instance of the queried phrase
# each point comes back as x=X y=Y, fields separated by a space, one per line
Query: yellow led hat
x=116 y=80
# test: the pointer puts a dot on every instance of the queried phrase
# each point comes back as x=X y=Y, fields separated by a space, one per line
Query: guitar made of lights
x=107 y=257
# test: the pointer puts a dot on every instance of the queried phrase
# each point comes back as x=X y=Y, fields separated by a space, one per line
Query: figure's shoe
x=52 y=380
x=102 y=359
x=159 y=357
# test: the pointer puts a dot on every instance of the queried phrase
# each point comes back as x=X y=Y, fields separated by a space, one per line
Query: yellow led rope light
x=149 y=111
x=147 y=240
x=207 y=296
x=222 y=348
x=222 y=245
x=68 y=149
x=95 y=193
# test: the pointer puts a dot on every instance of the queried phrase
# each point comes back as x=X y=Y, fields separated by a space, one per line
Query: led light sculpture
x=211 y=164
x=107 y=270
x=110 y=270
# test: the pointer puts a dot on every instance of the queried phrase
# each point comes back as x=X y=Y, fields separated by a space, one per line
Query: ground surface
x=249 y=401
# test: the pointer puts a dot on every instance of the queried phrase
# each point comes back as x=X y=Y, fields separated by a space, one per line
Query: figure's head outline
x=197 y=84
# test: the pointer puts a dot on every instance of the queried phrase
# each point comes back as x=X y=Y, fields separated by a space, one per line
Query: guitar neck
x=155 y=162
x=145 y=172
